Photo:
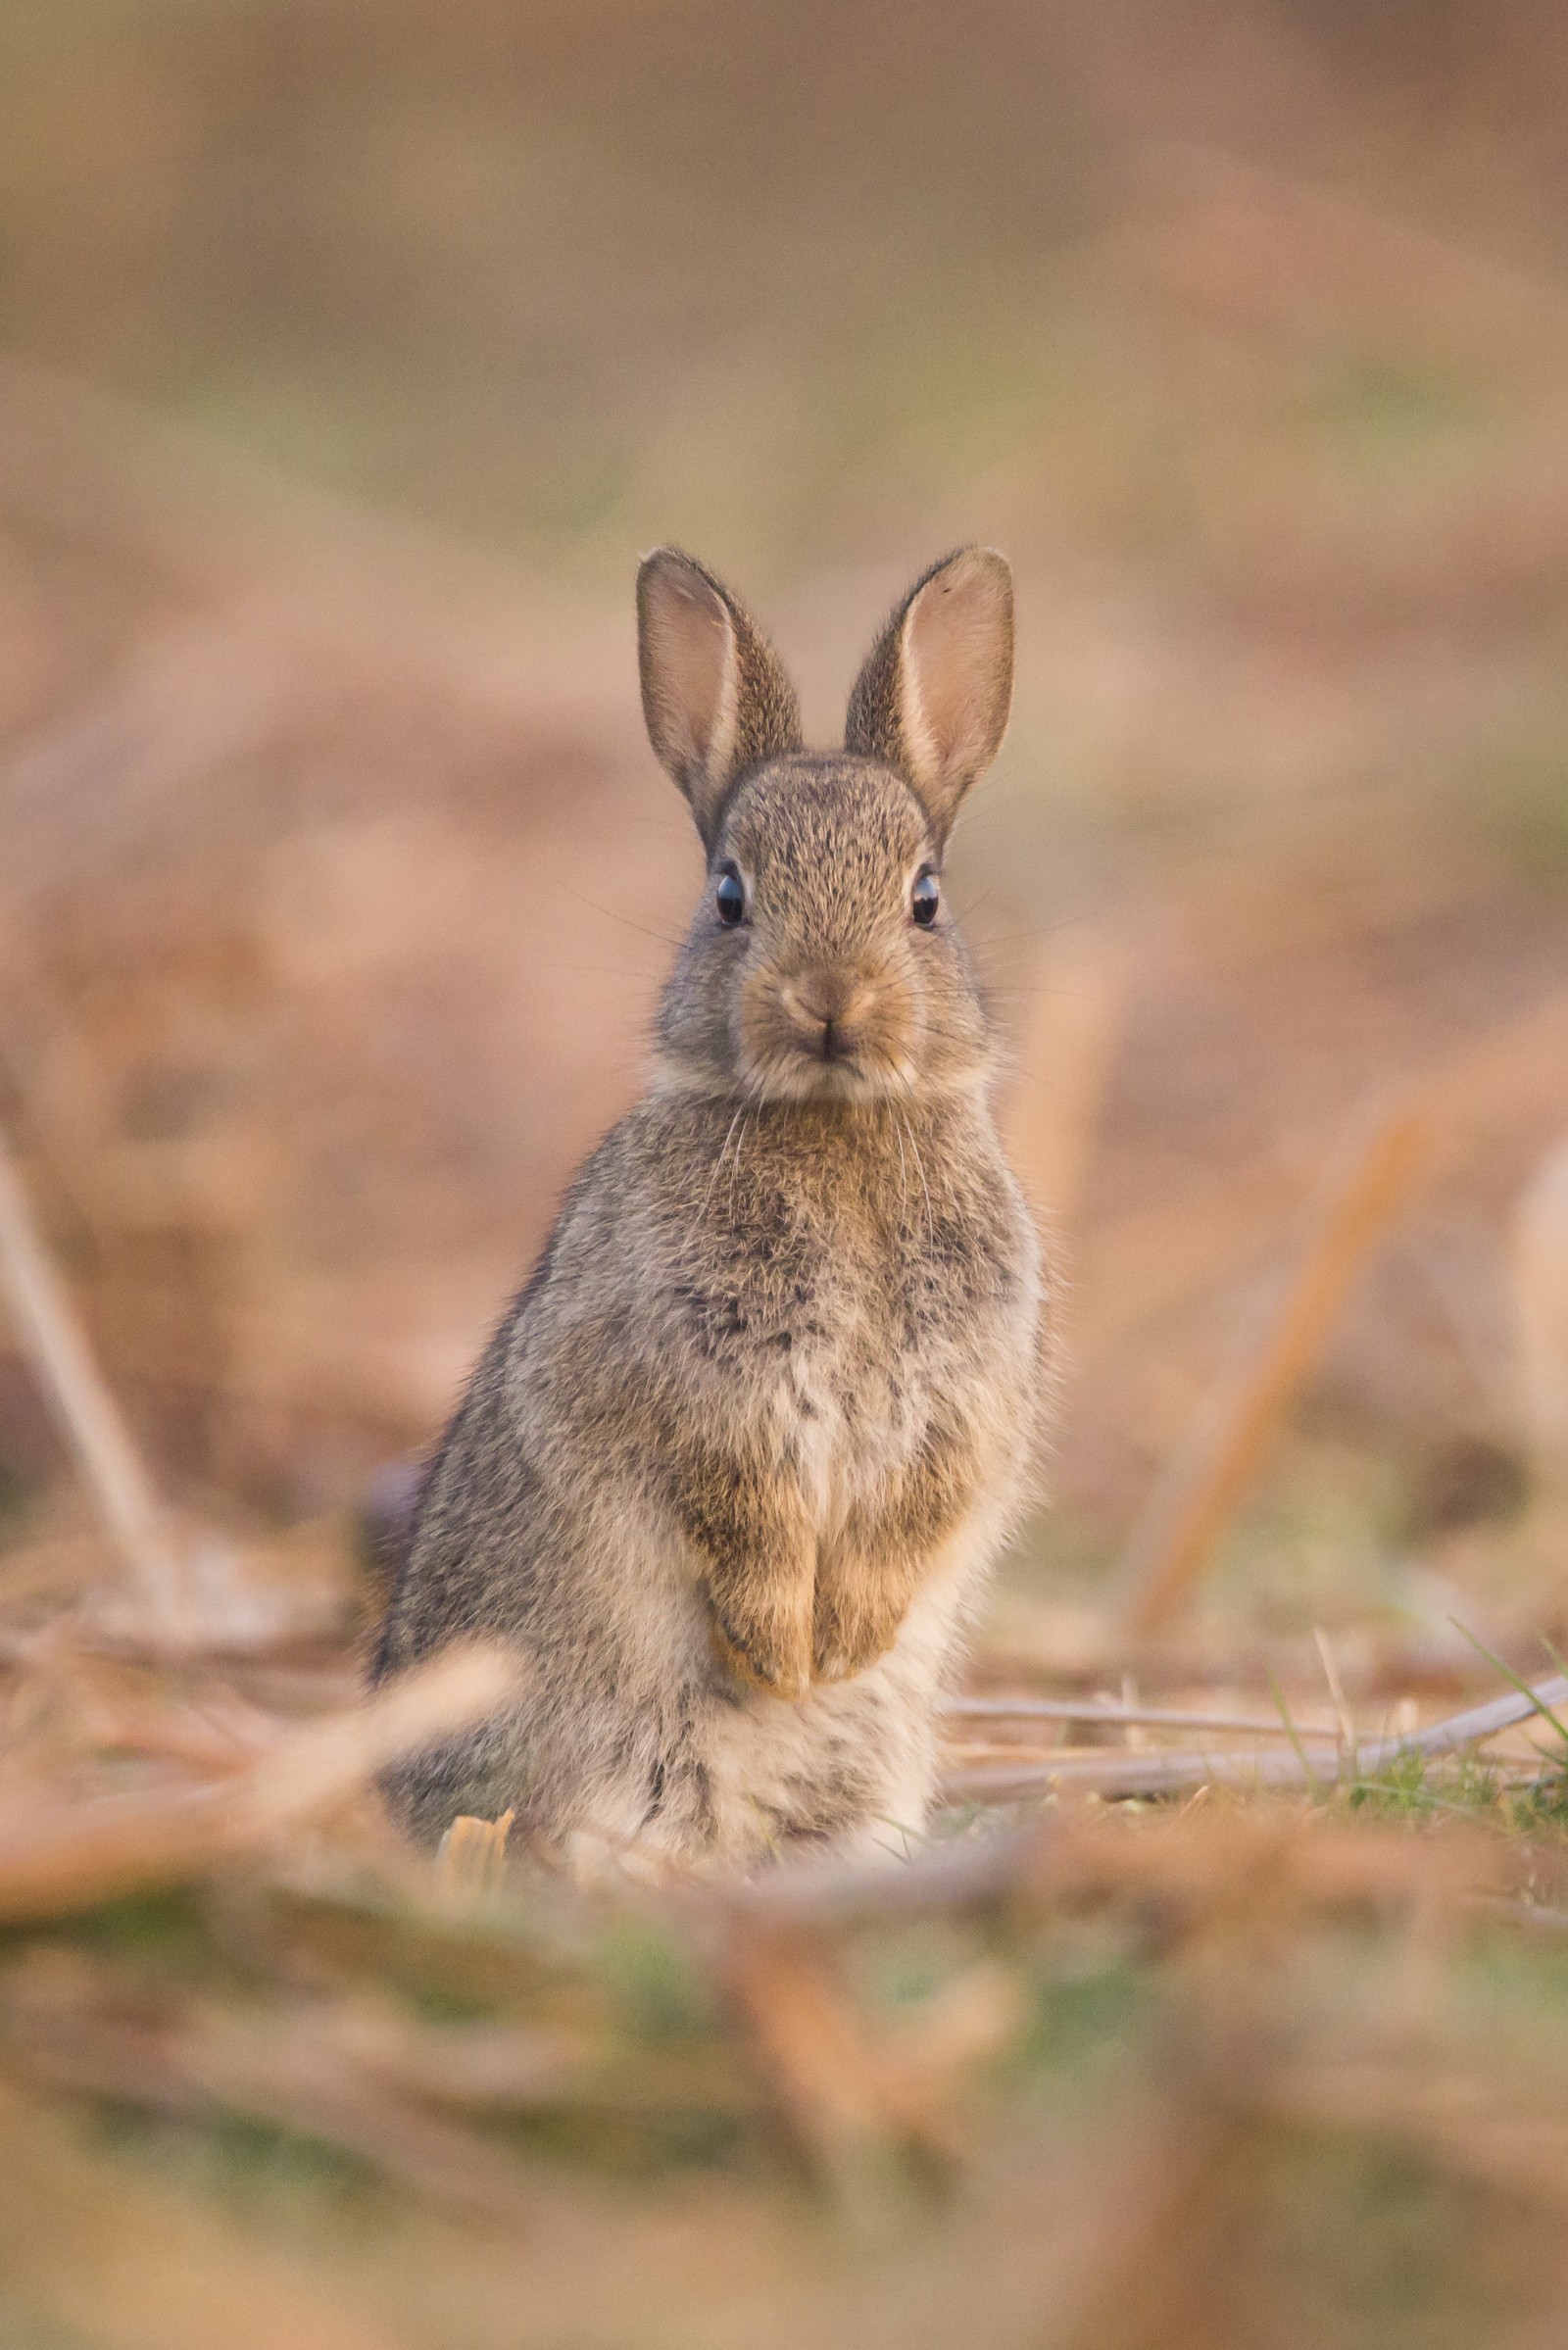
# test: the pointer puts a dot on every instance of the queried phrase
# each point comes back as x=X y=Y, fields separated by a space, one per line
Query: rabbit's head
x=822 y=960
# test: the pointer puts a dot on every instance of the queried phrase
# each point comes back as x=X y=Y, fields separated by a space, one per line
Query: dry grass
x=1223 y=2003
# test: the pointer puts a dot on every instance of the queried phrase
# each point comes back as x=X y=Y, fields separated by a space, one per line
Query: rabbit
x=734 y=1465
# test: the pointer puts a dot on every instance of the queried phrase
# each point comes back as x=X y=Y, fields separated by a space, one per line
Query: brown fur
x=732 y=1468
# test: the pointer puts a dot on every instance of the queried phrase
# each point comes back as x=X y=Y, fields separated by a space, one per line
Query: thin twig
x=969 y=1873
x=1116 y=1771
x=846 y=2104
x=1105 y=1709
x=473 y=1857
x=62 y=1361
x=57 y=1857
x=1331 y=1673
x=1193 y=1502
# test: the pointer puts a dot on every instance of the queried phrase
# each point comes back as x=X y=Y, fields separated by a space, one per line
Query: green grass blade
x=1523 y=1686
x=1300 y=1750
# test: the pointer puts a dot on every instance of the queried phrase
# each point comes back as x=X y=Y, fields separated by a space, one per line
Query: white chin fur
x=804 y=1077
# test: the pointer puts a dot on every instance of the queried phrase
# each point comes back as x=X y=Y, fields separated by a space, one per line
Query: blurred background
x=351 y=354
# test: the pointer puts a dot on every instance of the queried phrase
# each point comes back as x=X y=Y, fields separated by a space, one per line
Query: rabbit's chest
x=832 y=1319
x=870 y=1350
x=851 y=1400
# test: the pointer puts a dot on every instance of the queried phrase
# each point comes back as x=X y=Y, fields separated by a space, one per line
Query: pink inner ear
x=958 y=650
x=690 y=632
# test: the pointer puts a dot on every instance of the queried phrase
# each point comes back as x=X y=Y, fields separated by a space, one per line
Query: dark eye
x=925 y=898
x=730 y=898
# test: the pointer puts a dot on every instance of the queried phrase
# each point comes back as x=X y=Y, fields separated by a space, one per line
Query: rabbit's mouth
x=825 y=1034
x=844 y=1075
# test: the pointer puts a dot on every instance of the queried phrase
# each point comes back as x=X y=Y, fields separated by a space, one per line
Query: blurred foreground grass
x=1258 y=2074
x=331 y=855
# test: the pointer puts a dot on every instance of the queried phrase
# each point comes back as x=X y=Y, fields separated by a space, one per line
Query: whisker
x=735 y=1166
x=608 y=971
x=1009 y=1067
x=663 y=937
x=961 y=914
x=719 y=1162
x=920 y=1168
x=904 y=1172
x=1066 y=995
x=1026 y=937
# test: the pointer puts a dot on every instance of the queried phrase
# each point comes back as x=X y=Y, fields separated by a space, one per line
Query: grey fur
x=732 y=1469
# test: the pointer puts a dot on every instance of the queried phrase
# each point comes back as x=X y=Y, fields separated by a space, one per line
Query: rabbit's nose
x=824 y=1004
x=825 y=995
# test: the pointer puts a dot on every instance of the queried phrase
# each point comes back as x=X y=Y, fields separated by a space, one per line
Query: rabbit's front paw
x=852 y=1628
x=770 y=1649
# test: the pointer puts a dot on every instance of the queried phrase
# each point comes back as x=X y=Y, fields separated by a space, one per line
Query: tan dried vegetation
x=1224 y=2005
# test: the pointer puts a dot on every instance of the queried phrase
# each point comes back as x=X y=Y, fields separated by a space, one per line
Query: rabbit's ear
x=714 y=694
x=932 y=700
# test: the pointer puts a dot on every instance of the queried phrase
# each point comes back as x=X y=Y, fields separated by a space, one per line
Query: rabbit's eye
x=730 y=898
x=925 y=898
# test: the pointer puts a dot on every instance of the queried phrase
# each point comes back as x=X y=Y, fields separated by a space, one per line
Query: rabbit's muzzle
x=833 y=1028
x=828 y=1011
x=827 y=1031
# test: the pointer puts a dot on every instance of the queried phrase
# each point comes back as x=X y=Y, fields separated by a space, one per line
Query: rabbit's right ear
x=716 y=698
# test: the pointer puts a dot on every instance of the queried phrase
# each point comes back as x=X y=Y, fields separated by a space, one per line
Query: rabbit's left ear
x=715 y=693
x=933 y=698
